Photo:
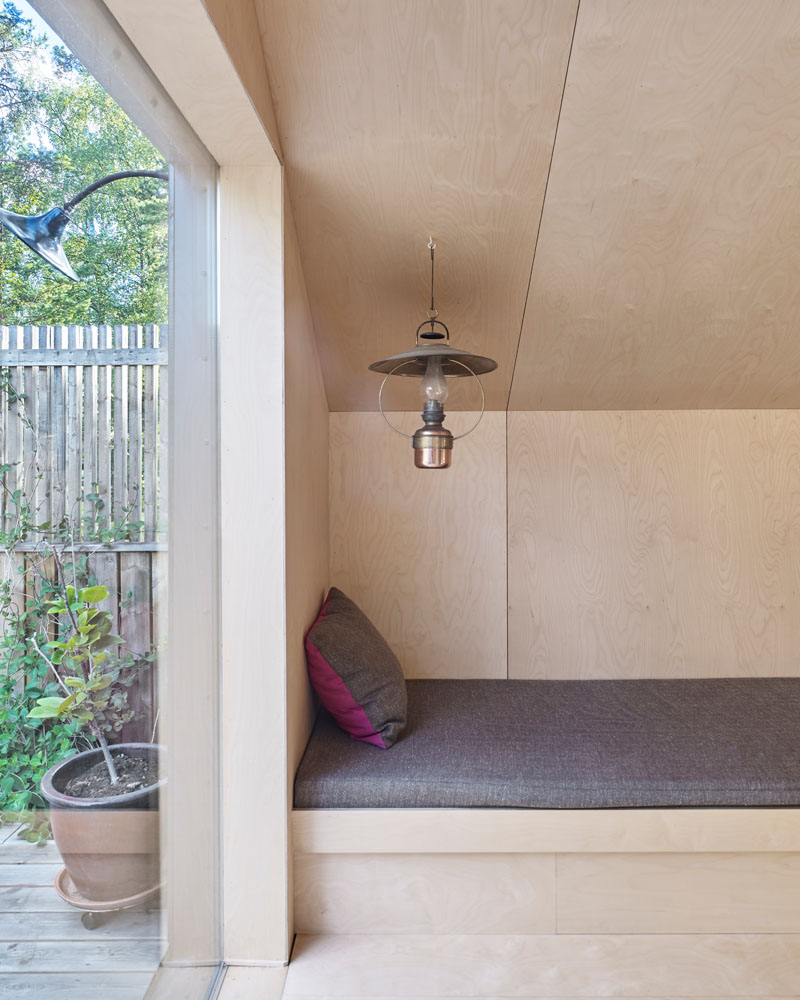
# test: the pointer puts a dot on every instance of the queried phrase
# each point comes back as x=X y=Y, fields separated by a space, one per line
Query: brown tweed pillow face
x=357 y=677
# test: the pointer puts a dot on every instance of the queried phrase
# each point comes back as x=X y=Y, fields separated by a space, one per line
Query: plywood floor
x=45 y=951
x=424 y=967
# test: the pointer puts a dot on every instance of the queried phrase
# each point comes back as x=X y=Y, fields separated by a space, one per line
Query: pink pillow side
x=334 y=694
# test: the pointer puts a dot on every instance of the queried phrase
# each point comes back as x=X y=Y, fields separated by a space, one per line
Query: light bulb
x=433 y=385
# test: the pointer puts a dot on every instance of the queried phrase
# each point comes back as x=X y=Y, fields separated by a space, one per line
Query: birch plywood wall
x=654 y=544
x=638 y=544
x=665 y=273
x=399 y=121
x=613 y=186
x=423 y=553
x=306 y=490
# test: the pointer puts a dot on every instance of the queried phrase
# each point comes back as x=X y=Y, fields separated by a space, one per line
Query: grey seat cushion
x=569 y=744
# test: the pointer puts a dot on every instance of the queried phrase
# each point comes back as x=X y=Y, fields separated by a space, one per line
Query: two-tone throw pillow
x=357 y=677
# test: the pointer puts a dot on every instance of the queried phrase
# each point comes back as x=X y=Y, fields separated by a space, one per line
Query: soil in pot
x=95 y=783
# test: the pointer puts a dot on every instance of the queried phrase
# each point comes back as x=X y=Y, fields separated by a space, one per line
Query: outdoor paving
x=45 y=951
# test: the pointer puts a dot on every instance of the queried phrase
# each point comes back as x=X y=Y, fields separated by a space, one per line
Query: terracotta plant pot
x=110 y=846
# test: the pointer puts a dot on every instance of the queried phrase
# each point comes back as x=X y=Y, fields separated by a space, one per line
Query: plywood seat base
x=605 y=902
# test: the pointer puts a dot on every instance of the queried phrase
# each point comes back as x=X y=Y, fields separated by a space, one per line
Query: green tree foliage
x=59 y=131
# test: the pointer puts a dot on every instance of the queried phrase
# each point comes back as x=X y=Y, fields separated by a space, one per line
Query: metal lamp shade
x=415 y=362
x=42 y=233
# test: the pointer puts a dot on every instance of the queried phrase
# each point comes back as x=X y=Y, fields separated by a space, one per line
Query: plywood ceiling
x=614 y=188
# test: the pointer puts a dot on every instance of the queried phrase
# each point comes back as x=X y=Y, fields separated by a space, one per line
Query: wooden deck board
x=67 y=926
x=18 y=852
x=75 y=986
x=32 y=899
x=16 y=874
x=95 y=955
x=47 y=953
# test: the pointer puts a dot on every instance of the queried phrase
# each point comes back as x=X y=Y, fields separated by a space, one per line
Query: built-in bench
x=597 y=810
x=569 y=745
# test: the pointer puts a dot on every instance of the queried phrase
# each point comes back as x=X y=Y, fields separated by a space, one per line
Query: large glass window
x=108 y=655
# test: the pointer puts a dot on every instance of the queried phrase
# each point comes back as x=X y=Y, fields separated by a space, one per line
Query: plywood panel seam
x=315 y=340
x=556 y=928
x=508 y=581
x=385 y=553
x=544 y=202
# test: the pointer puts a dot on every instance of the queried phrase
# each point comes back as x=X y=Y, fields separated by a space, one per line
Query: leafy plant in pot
x=103 y=801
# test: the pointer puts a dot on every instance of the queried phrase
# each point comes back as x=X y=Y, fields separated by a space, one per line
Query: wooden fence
x=137 y=586
x=84 y=442
x=84 y=414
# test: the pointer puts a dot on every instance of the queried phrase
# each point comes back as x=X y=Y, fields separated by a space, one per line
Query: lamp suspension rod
x=160 y=174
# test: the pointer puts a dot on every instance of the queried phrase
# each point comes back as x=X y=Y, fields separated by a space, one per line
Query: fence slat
x=15 y=433
x=105 y=566
x=81 y=358
x=11 y=430
x=44 y=437
x=134 y=494
x=4 y=450
x=162 y=479
x=159 y=562
x=58 y=437
x=135 y=617
x=150 y=444
x=13 y=572
x=103 y=425
x=74 y=379
x=89 y=397
x=119 y=422
x=28 y=468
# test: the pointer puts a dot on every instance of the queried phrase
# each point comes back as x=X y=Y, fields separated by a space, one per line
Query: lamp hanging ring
x=380 y=399
x=402 y=364
x=433 y=322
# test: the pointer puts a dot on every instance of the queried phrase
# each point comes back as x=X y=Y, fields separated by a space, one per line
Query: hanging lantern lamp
x=433 y=361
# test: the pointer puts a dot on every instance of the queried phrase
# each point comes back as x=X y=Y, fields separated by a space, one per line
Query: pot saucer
x=67 y=890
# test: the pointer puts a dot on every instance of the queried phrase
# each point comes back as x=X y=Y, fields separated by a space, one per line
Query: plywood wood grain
x=237 y=25
x=654 y=544
x=557 y=831
x=678 y=893
x=306 y=509
x=199 y=74
x=666 y=268
x=425 y=894
x=243 y=983
x=561 y=965
x=404 y=121
x=422 y=551
x=306 y=430
x=75 y=985
x=253 y=534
